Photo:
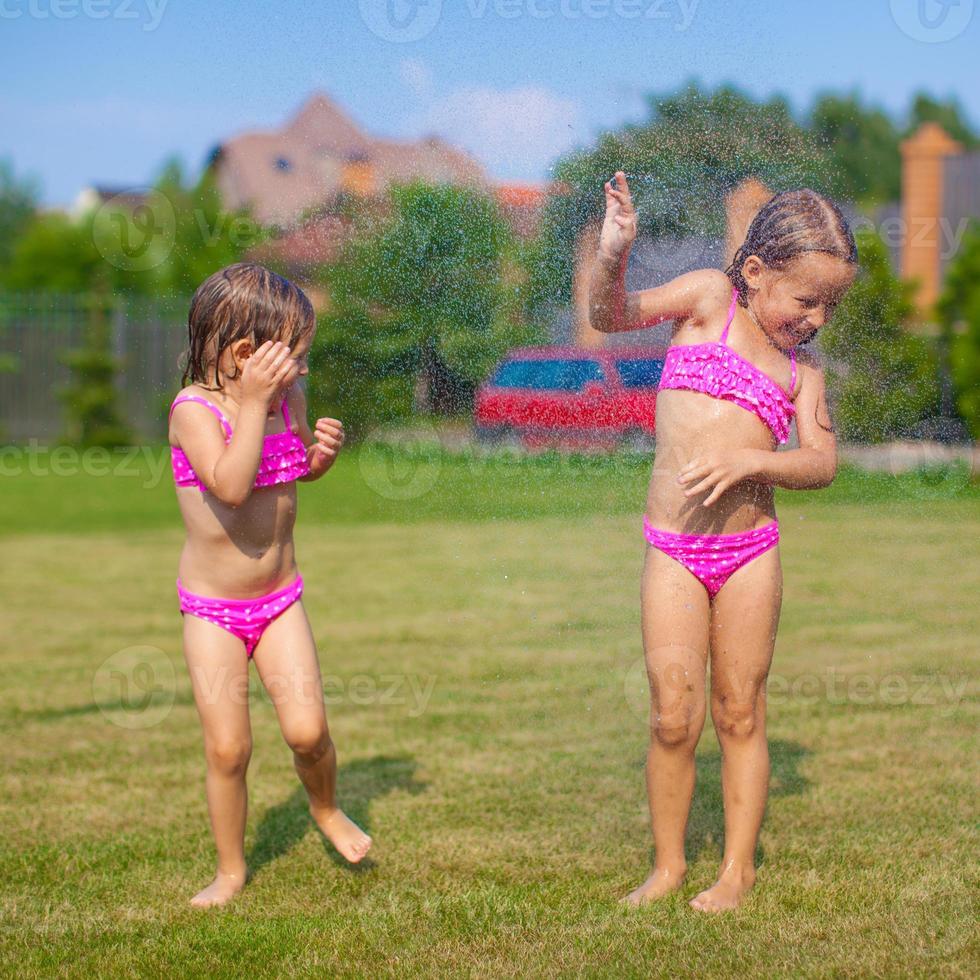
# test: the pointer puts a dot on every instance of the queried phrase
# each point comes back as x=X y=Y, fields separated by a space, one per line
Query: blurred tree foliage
x=949 y=114
x=18 y=203
x=423 y=301
x=863 y=143
x=959 y=314
x=162 y=242
x=882 y=381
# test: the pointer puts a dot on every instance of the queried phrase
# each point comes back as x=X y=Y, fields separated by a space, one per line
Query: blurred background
x=431 y=173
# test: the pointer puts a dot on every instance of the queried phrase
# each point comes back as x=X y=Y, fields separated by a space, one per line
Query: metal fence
x=38 y=330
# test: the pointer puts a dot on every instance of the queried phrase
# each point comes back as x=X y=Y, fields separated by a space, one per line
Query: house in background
x=293 y=178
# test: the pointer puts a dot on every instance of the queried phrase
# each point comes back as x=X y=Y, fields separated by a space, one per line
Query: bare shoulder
x=810 y=366
x=709 y=293
x=715 y=292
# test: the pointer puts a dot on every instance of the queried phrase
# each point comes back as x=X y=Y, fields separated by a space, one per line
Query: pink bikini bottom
x=712 y=558
x=247 y=619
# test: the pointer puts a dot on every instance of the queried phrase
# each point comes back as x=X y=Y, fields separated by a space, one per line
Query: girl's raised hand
x=619 y=226
x=329 y=437
x=268 y=373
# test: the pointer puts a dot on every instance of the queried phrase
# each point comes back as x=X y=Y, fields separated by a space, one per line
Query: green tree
x=863 y=143
x=423 y=301
x=882 y=381
x=162 y=243
x=949 y=114
x=56 y=254
x=18 y=202
x=959 y=315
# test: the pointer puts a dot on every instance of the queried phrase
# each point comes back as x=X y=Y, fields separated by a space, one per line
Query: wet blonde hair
x=791 y=223
x=245 y=301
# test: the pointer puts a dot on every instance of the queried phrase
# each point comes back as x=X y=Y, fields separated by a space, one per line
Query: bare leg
x=745 y=616
x=219 y=676
x=287 y=663
x=675 y=637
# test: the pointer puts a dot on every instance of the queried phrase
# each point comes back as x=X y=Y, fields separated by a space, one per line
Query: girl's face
x=793 y=303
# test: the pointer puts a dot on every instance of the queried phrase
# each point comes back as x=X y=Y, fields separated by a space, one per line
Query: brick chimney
x=922 y=206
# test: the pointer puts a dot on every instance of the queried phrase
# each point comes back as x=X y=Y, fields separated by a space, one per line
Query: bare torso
x=690 y=423
x=238 y=552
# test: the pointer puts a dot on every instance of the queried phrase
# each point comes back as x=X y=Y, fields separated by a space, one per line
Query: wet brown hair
x=789 y=224
x=245 y=301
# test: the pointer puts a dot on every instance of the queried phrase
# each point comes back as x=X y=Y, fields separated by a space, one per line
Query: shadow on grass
x=358 y=784
x=706 y=825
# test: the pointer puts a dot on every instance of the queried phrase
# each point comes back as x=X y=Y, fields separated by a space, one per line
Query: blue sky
x=105 y=90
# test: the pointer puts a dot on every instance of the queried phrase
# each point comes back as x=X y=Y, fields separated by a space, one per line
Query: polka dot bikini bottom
x=247 y=619
x=713 y=558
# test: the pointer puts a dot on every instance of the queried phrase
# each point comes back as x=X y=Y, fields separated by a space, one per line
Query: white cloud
x=515 y=133
x=417 y=76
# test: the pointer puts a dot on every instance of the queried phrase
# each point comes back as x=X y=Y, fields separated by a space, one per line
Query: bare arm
x=814 y=464
x=611 y=307
x=689 y=296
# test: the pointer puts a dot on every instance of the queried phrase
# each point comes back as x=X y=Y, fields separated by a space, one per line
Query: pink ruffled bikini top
x=283 y=453
x=715 y=369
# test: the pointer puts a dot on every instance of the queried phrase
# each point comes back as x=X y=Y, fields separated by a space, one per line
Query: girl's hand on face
x=720 y=470
x=268 y=373
x=329 y=437
x=619 y=226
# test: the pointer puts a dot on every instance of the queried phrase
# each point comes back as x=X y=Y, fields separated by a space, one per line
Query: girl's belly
x=238 y=552
x=690 y=425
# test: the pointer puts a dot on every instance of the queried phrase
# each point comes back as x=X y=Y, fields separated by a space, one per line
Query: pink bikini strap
x=285 y=415
x=792 y=361
x=731 y=314
x=214 y=408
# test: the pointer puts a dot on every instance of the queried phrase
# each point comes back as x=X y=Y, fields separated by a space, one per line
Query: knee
x=734 y=718
x=675 y=726
x=229 y=756
x=309 y=742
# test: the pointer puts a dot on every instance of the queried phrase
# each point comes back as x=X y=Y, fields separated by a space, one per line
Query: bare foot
x=224 y=887
x=727 y=892
x=342 y=832
x=661 y=882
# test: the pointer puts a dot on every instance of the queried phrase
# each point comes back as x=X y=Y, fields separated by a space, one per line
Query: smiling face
x=793 y=303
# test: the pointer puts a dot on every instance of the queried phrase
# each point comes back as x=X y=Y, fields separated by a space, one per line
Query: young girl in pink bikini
x=239 y=443
x=712 y=581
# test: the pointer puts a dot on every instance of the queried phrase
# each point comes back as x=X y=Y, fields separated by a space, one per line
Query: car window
x=640 y=372
x=556 y=374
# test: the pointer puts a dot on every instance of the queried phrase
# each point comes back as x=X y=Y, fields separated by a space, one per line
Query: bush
x=882 y=382
x=959 y=315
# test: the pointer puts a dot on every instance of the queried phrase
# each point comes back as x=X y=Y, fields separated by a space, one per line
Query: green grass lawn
x=478 y=628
